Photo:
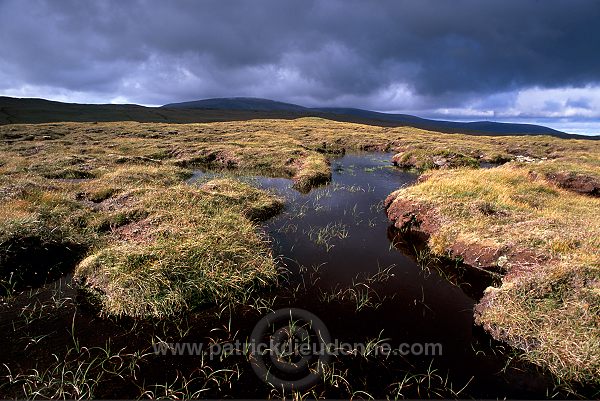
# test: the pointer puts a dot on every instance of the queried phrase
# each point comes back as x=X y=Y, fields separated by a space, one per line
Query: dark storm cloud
x=386 y=55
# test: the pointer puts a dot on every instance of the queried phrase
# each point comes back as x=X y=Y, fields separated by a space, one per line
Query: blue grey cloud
x=388 y=55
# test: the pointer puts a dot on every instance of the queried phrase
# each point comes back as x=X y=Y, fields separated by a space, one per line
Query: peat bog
x=238 y=206
x=339 y=258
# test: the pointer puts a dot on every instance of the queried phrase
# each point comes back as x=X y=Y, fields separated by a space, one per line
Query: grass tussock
x=116 y=188
x=546 y=239
x=142 y=216
x=314 y=171
x=131 y=177
x=508 y=208
x=254 y=203
x=552 y=314
x=426 y=159
x=193 y=247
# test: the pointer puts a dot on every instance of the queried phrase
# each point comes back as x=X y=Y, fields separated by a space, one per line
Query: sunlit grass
x=194 y=247
x=549 y=301
x=157 y=247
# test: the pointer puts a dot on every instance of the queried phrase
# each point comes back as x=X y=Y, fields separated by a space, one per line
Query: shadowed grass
x=42 y=233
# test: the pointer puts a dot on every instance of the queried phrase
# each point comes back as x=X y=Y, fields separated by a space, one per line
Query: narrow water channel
x=365 y=280
x=342 y=262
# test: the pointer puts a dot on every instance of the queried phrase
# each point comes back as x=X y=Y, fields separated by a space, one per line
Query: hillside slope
x=35 y=111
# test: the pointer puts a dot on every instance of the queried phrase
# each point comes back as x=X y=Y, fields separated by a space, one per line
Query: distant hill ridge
x=259 y=104
x=16 y=110
x=237 y=103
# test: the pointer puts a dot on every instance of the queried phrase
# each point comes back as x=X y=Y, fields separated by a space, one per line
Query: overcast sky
x=533 y=61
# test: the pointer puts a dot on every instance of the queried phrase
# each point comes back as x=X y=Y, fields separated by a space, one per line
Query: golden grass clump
x=194 y=247
x=508 y=207
x=49 y=215
x=254 y=203
x=548 y=240
x=314 y=170
x=552 y=313
x=132 y=176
